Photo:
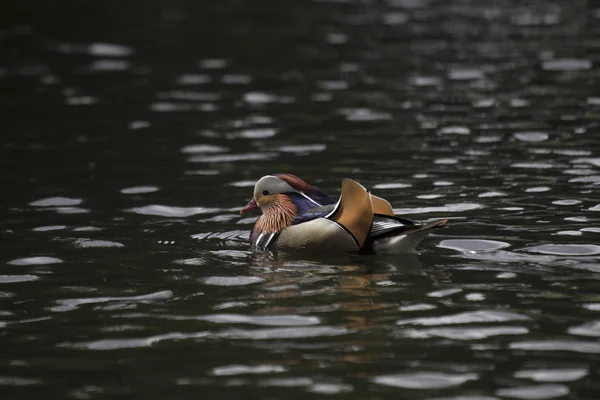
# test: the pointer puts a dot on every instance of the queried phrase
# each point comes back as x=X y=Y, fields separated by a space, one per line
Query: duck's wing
x=344 y=226
x=381 y=206
x=313 y=213
x=316 y=195
x=385 y=224
x=395 y=235
x=354 y=211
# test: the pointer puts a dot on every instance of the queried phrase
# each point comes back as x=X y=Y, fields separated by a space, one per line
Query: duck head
x=270 y=188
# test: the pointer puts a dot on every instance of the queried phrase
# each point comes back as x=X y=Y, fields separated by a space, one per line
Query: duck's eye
x=265 y=192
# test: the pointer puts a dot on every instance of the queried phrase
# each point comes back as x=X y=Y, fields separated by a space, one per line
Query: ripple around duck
x=472 y=245
x=425 y=380
x=229 y=235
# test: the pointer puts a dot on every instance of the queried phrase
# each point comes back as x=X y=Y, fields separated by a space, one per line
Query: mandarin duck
x=296 y=215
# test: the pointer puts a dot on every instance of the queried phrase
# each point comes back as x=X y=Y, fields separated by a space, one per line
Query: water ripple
x=71 y=304
x=117 y=344
x=139 y=189
x=231 y=280
x=553 y=375
x=283 y=333
x=18 y=278
x=531 y=136
x=35 y=261
x=91 y=243
x=228 y=370
x=466 y=318
x=287 y=382
x=56 y=202
x=268 y=320
x=364 y=114
x=471 y=333
x=577 y=346
x=18 y=381
x=537 y=392
x=303 y=149
x=425 y=380
x=566 y=249
x=227 y=158
x=330 y=388
x=591 y=328
x=171 y=211
x=566 y=64
x=49 y=228
x=448 y=208
x=472 y=245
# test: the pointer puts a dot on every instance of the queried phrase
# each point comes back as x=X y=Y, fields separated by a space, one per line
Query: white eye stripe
x=271 y=184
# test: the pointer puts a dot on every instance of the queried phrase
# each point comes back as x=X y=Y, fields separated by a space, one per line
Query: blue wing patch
x=313 y=213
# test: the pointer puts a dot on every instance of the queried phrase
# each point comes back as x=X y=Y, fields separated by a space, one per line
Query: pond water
x=133 y=134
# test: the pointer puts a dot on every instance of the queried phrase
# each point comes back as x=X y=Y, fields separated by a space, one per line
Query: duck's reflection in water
x=343 y=286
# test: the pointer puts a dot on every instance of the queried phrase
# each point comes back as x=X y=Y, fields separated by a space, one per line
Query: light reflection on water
x=126 y=162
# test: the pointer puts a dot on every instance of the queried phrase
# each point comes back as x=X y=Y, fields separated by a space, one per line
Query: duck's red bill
x=252 y=206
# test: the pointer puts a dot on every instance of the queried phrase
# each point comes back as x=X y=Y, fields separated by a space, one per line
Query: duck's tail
x=404 y=241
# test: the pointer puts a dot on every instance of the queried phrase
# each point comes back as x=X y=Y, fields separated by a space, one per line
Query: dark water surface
x=133 y=133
